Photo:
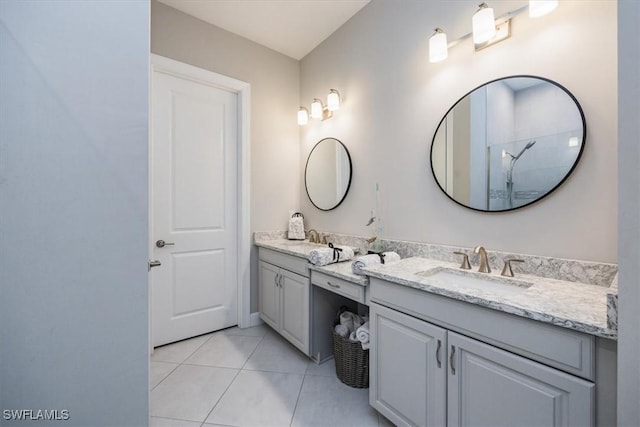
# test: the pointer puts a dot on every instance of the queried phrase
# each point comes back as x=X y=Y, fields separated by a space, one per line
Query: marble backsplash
x=592 y=273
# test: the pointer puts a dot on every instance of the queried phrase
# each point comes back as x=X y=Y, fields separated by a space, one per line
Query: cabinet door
x=295 y=309
x=269 y=294
x=408 y=368
x=492 y=387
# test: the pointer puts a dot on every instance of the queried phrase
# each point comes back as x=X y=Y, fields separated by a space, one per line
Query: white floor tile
x=275 y=354
x=159 y=371
x=258 y=399
x=167 y=422
x=384 y=422
x=255 y=331
x=326 y=369
x=178 y=352
x=225 y=351
x=325 y=401
x=190 y=392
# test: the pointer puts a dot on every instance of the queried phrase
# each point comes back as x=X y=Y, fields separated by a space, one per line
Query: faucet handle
x=506 y=270
x=465 y=261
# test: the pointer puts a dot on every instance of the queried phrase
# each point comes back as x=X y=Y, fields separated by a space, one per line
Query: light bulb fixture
x=319 y=110
x=538 y=8
x=486 y=29
x=484 y=24
x=333 y=100
x=303 y=116
x=438 y=48
x=316 y=109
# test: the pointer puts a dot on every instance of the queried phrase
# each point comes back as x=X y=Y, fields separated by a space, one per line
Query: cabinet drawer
x=288 y=262
x=561 y=348
x=342 y=287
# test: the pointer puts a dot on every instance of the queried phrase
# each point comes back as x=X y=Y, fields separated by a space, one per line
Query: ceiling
x=291 y=27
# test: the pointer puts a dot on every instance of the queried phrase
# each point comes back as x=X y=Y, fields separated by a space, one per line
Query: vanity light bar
x=486 y=30
x=319 y=110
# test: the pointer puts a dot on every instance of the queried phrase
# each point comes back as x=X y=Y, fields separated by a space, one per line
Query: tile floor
x=250 y=377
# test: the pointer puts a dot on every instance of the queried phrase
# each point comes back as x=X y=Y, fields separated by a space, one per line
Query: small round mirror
x=508 y=143
x=327 y=176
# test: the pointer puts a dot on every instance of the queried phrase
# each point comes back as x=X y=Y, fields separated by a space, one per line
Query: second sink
x=463 y=279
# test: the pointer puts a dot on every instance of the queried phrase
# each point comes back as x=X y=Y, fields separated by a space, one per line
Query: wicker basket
x=352 y=362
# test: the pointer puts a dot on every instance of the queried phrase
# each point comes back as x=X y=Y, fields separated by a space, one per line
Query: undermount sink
x=465 y=279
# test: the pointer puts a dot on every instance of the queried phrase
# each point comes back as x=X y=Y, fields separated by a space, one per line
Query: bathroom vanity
x=453 y=347
x=299 y=300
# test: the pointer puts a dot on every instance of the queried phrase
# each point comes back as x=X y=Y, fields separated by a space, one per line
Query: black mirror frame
x=350 y=174
x=575 y=163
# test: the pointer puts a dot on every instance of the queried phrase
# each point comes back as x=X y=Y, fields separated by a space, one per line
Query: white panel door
x=194 y=208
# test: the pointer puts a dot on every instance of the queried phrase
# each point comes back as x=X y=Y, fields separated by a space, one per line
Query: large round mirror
x=327 y=176
x=508 y=143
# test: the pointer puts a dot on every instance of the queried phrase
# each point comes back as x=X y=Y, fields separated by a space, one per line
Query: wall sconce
x=486 y=30
x=483 y=24
x=319 y=110
x=438 y=50
x=303 y=116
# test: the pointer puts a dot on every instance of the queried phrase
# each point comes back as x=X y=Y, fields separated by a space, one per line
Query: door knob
x=162 y=243
x=154 y=263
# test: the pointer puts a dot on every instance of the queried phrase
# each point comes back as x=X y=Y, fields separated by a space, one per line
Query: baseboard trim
x=255 y=319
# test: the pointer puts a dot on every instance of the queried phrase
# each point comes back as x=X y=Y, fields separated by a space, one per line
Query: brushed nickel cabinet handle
x=438 y=354
x=451 y=360
x=333 y=286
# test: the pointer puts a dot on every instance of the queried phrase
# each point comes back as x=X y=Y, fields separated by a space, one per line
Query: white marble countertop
x=571 y=305
x=301 y=249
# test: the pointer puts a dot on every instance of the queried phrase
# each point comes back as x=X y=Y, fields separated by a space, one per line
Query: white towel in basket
x=362 y=335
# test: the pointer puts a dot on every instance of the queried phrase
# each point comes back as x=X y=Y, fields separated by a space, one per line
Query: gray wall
x=73 y=191
x=275 y=93
x=393 y=100
x=629 y=221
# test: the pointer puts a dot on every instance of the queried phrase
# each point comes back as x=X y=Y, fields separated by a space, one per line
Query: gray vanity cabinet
x=283 y=296
x=422 y=374
x=407 y=368
x=492 y=387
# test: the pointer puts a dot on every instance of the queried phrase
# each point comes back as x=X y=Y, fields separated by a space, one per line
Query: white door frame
x=243 y=91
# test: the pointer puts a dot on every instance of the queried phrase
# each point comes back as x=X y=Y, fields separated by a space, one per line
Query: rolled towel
x=372 y=259
x=362 y=334
x=350 y=320
x=352 y=336
x=342 y=330
x=324 y=256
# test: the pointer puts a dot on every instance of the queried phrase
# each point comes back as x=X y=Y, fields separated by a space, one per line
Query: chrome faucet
x=484 y=262
x=313 y=236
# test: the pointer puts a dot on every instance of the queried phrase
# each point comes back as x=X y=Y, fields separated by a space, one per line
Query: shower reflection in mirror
x=508 y=143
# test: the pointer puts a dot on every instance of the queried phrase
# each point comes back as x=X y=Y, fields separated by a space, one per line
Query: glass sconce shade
x=316 y=109
x=438 y=49
x=333 y=100
x=484 y=24
x=303 y=116
x=539 y=8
